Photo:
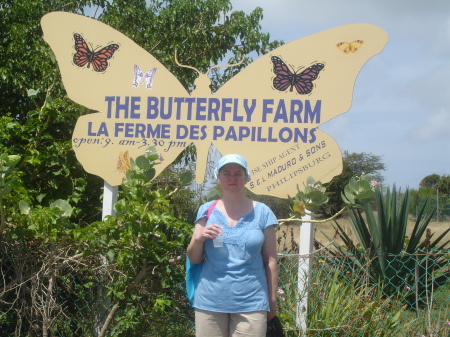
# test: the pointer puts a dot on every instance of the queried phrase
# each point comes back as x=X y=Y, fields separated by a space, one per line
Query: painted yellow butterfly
x=351 y=47
x=269 y=112
x=123 y=163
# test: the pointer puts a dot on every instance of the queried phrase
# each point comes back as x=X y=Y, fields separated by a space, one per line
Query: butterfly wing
x=281 y=139
x=138 y=76
x=355 y=45
x=123 y=122
x=148 y=78
x=303 y=81
x=284 y=78
x=100 y=58
x=344 y=46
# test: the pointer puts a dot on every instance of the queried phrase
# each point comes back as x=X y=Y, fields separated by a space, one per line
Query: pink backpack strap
x=210 y=209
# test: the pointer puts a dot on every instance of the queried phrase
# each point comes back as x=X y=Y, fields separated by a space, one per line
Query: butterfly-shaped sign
x=270 y=112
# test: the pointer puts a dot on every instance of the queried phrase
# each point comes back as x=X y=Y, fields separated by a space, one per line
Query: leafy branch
x=359 y=191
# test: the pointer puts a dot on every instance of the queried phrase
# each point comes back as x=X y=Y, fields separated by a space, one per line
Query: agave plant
x=385 y=251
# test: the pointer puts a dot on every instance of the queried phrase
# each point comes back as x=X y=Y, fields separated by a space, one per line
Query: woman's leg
x=247 y=324
x=211 y=324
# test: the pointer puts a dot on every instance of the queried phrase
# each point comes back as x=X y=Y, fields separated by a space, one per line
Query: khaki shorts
x=220 y=324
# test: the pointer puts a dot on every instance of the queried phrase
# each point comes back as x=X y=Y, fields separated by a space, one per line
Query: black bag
x=274 y=328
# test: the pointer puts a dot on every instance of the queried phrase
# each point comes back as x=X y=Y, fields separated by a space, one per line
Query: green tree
x=426 y=190
x=430 y=180
x=354 y=164
x=36 y=117
x=364 y=163
x=436 y=190
x=443 y=185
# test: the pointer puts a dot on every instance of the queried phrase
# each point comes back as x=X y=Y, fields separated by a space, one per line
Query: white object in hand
x=218 y=241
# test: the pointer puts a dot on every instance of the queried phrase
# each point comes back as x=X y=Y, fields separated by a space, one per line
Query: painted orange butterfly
x=84 y=55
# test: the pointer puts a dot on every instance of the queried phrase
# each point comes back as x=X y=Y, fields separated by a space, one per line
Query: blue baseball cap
x=232 y=158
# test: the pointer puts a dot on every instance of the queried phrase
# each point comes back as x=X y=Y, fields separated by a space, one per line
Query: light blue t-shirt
x=233 y=277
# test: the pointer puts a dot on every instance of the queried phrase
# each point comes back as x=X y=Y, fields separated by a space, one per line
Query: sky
x=401 y=100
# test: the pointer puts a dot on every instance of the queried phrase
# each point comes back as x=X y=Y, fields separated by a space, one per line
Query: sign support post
x=304 y=273
x=110 y=194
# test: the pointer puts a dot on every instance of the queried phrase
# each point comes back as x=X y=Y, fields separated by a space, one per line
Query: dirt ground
x=288 y=235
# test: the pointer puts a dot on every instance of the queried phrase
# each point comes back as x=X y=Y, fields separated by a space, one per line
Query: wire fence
x=438 y=203
x=340 y=296
x=344 y=299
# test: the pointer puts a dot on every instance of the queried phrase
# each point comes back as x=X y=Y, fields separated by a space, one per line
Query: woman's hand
x=273 y=311
x=202 y=233
x=211 y=231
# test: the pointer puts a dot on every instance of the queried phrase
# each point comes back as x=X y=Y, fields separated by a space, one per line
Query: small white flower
x=373 y=183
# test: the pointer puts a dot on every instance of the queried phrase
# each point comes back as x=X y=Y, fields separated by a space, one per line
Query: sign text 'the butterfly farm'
x=283 y=121
x=270 y=112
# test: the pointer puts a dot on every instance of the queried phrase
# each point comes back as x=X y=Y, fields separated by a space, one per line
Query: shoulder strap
x=210 y=209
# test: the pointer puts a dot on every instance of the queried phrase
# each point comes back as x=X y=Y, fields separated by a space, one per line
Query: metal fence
x=342 y=298
x=438 y=203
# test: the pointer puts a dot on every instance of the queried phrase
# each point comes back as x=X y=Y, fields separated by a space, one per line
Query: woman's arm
x=195 y=250
x=269 y=251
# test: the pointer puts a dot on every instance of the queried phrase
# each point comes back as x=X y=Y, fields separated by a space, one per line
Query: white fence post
x=110 y=195
x=304 y=263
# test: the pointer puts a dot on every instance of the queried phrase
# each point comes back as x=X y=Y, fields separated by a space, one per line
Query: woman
x=236 y=293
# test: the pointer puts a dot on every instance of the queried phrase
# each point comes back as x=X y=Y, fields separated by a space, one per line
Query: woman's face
x=232 y=176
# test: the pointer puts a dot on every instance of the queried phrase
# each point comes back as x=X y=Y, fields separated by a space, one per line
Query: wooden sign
x=269 y=113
